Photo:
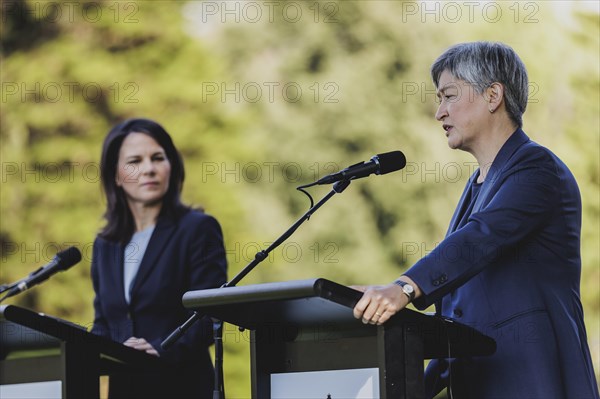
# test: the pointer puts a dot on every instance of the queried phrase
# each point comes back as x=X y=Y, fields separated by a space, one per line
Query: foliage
x=261 y=104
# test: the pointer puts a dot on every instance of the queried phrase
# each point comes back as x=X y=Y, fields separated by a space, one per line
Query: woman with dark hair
x=152 y=250
x=510 y=264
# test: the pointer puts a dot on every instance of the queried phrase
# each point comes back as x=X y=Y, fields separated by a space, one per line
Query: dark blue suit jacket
x=511 y=268
x=187 y=254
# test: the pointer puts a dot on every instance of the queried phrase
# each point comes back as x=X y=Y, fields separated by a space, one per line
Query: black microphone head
x=391 y=162
x=68 y=258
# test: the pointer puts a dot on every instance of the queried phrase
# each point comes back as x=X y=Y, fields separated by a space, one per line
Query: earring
x=491 y=110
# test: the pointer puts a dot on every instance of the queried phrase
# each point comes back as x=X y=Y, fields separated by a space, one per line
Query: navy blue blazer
x=187 y=254
x=511 y=269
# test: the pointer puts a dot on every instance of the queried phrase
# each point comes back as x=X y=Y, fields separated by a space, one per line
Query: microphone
x=61 y=261
x=380 y=164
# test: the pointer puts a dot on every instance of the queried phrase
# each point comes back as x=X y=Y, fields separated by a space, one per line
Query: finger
x=372 y=306
x=153 y=352
x=369 y=316
x=131 y=341
x=137 y=343
x=385 y=316
x=142 y=347
x=373 y=317
x=142 y=344
x=148 y=349
x=361 y=306
x=388 y=311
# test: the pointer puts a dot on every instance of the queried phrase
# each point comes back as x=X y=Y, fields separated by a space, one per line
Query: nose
x=442 y=111
x=147 y=167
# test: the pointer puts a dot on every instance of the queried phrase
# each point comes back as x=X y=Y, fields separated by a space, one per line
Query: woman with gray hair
x=510 y=264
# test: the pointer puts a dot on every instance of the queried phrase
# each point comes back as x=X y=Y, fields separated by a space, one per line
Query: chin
x=453 y=145
x=152 y=201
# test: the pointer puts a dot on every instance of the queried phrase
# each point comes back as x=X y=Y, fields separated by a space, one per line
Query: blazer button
x=444 y=278
x=457 y=312
x=436 y=283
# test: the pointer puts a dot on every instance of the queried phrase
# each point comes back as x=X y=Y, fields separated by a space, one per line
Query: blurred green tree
x=262 y=97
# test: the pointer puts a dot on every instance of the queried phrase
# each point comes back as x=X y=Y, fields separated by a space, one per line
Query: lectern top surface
x=300 y=302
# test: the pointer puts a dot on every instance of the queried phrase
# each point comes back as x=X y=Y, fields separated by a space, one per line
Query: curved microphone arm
x=338 y=187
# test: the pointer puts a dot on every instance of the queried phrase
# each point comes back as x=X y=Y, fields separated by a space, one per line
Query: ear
x=494 y=95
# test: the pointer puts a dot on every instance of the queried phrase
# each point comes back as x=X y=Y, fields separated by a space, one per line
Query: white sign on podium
x=331 y=384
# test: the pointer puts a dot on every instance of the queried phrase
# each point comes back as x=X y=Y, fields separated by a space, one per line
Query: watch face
x=408 y=288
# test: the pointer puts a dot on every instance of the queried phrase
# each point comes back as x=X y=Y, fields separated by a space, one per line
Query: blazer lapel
x=517 y=139
x=115 y=265
x=462 y=204
x=160 y=236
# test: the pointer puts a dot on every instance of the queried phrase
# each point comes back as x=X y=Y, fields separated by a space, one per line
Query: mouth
x=150 y=184
x=447 y=128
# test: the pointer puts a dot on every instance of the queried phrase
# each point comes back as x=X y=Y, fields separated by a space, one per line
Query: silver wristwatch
x=408 y=289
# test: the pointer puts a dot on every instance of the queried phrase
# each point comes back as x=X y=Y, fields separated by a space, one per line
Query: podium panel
x=307 y=326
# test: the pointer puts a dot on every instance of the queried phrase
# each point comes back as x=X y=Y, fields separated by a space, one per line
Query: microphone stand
x=11 y=287
x=219 y=392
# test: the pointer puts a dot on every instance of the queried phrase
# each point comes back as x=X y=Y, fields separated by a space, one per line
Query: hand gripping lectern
x=60 y=359
x=305 y=341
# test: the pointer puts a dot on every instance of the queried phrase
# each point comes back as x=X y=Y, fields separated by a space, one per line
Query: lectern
x=305 y=341
x=77 y=361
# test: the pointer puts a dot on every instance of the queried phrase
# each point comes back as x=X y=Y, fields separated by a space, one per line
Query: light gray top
x=134 y=253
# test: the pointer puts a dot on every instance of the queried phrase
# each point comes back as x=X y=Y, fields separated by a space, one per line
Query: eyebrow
x=162 y=152
x=447 y=86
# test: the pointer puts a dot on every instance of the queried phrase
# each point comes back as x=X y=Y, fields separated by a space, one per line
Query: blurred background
x=261 y=97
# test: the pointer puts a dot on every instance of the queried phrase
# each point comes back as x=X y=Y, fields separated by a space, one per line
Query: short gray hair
x=482 y=63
